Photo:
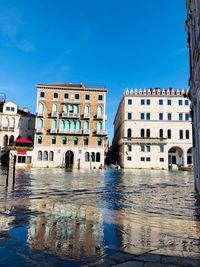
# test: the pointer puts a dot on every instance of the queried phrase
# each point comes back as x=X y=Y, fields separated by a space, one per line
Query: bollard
x=14 y=165
x=7 y=176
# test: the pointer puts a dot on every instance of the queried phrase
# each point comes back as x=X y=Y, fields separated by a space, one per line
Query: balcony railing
x=6 y=128
x=53 y=131
x=70 y=115
x=86 y=132
x=140 y=140
x=40 y=113
x=39 y=130
x=101 y=132
x=100 y=116
x=54 y=114
x=86 y=115
x=66 y=131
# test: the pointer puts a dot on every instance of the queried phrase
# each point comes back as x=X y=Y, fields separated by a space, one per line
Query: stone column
x=184 y=159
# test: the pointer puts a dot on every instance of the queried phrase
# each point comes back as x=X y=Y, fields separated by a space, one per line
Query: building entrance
x=69 y=159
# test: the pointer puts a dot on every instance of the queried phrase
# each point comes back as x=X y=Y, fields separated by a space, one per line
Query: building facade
x=14 y=123
x=193 y=29
x=152 y=129
x=70 y=126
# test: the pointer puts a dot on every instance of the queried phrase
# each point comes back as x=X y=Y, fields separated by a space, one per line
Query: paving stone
x=121 y=257
x=130 y=264
x=153 y=264
x=150 y=257
x=180 y=261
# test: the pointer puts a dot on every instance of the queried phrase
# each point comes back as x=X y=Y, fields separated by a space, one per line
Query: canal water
x=58 y=218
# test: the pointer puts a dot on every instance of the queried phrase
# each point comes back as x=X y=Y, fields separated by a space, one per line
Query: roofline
x=71 y=87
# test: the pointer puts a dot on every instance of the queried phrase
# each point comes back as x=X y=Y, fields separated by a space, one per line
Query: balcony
x=54 y=114
x=40 y=114
x=140 y=140
x=101 y=132
x=53 y=131
x=67 y=131
x=6 y=128
x=39 y=130
x=70 y=115
x=86 y=116
x=86 y=132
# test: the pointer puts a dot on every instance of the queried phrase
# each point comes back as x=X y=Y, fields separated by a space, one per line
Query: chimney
x=25 y=109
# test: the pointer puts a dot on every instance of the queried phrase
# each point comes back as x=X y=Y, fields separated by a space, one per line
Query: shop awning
x=23 y=141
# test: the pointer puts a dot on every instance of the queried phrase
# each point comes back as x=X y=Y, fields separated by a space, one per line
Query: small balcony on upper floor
x=39 y=130
x=70 y=115
x=141 y=140
x=100 y=117
x=70 y=131
x=53 y=131
x=40 y=114
x=7 y=128
x=101 y=132
x=54 y=114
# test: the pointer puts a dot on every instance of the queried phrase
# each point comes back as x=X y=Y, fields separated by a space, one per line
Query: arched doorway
x=5 y=140
x=189 y=156
x=69 y=159
x=175 y=157
x=11 y=140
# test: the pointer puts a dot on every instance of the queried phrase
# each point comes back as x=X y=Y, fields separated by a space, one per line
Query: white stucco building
x=193 y=29
x=152 y=129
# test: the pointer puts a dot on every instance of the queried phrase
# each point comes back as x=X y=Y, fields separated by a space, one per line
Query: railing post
x=14 y=165
x=7 y=175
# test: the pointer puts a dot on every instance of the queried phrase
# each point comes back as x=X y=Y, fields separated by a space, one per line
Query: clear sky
x=117 y=43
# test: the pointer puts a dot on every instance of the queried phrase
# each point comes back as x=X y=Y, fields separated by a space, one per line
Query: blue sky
x=117 y=43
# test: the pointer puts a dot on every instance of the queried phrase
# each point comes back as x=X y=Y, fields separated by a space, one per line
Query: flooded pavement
x=59 y=218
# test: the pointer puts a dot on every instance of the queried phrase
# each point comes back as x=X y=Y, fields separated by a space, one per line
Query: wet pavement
x=99 y=218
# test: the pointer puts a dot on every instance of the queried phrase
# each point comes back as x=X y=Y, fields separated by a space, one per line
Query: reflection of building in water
x=69 y=230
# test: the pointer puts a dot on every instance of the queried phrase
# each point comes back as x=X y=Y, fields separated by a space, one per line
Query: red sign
x=21 y=152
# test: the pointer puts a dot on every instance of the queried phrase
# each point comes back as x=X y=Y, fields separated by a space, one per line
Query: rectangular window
x=148 y=117
x=160 y=116
x=169 y=102
x=169 y=116
x=129 y=101
x=180 y=102
x=142 y=159
x=42 y=94
x=161 y=148
x=87 y=97
x=148 y=159
x=21 y=159
x=7 y=108
x=12 y=109
x=186 y=102
x=142 y=116
x=160 y=102
x=161 y=159
x=142 y=102
x=148 y=102
x=129 y=116
x=77 y=96
x=187 y=116
x=129 y=158
x=129 y=148
x=100 y=97
x=142 y=148
x=148 y=148
x=66 y=96
x=28 y=159
x=180 y=116
x=55 y=95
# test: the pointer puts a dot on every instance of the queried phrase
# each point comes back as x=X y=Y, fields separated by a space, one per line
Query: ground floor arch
x=189 y=156
x=69 y=159
x=175 y=156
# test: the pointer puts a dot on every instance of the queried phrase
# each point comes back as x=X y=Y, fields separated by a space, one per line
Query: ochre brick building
x=70 y=126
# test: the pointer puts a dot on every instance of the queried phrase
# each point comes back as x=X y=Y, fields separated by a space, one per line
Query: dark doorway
x=69 y=160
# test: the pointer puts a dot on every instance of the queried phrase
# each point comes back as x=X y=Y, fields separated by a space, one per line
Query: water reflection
x=85 y=216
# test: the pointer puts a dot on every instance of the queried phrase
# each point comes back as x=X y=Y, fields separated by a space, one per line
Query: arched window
x=169 y=134
x=85 y=141
x=53 y=140
x=39 y=155
x=75 y=109
x=51 y=156
x=55 y=108
x=78 y=125
x=87 y=156
x=5 y=140
x=67 y=125
x=161 y=133
x=142 y=133
x=129 y=133
x=45 y=156
x=99 y=141
x=99 y=126
x=64 y=140
x=86 y=126
x=75 y=139
x=12 y=123
x=148 y=133
x=98 y=157
x=11 y=140
x=181 y=134
x=39 y=140
x=40 y=124
x=93 y=157
x=6 y=124
x=73 y=125
x=54 y=124
x=62 y=124
x=41 y=108
x=100 y=111
x=87 y=110
x=187 y=134
x=20 y=124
